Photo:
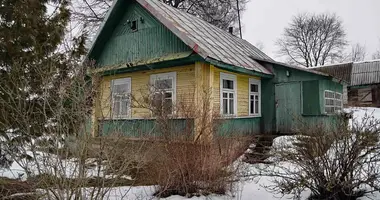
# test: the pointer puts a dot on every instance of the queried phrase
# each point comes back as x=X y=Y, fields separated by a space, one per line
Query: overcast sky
x=264 y=20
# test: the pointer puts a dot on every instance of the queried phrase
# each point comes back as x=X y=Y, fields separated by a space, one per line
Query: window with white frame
x=163 y=87
x=121 y=100
x=333 y=102
x=254 y=97
x=228 y=94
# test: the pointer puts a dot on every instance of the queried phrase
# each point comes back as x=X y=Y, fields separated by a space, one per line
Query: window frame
x=258 y=93
x=230 y=77
x=335 y=100
x=129 y=109
x=164 y=76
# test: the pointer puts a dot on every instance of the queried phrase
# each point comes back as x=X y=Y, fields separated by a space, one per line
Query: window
x=228 y=100
x=163 y=88
x=134 y=25
x=254 y=97
x=121 y=100
x=333 y=102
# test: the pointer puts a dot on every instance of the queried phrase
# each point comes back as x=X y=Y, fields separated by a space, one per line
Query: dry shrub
x=335 y=163
x=189 y=169
x=190 y=160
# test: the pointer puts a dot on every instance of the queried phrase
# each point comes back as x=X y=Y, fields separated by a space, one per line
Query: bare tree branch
x=313 y=39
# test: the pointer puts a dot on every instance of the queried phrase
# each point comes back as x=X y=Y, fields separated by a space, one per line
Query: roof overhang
x=237 y=69
x=185 y=59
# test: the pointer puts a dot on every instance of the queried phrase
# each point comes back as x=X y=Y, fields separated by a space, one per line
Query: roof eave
x=233 y=68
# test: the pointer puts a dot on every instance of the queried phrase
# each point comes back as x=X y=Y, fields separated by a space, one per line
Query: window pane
x=168 y=95
x=163 y=84
x=117 y=98
x=116 y=108
x=228 y=84
x=168 y=105
x=256 y=97
x=231 y=95
x=251 y=97
x=254 y=88
x=225 y=95
x=257 y=106
x=329 y=109
x=157 y=100
x=329 y=102
x=231 y=106
x=124 y=106
x=123 y=88
x=225 y=106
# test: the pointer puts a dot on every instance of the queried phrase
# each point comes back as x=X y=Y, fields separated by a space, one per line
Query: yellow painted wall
x=189 y=79
x=140 y=80
x=242 y=91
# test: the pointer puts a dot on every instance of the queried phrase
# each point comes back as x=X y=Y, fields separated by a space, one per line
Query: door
x=288 y=106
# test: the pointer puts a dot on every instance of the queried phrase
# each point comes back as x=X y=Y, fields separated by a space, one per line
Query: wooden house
x=362 y=87
x=146 y=42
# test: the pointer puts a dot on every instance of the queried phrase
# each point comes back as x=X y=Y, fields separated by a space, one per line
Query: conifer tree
x=33 y=64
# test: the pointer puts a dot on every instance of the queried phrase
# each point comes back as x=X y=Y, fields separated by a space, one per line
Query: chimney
x=231 y=30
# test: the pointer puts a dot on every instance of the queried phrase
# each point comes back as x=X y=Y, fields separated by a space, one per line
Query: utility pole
x=238 y=10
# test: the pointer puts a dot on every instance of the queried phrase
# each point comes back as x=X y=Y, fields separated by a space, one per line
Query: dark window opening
x=134 y=25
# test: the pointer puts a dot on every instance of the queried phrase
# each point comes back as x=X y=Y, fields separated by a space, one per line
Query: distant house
x=148 y=42
x=363 y=81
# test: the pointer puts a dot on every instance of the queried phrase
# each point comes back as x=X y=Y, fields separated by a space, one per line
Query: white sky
x=264 y=20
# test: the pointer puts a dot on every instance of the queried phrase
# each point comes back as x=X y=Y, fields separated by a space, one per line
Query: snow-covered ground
x=245 y=190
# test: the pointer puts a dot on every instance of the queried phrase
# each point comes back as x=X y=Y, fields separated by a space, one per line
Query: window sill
x=240 y=117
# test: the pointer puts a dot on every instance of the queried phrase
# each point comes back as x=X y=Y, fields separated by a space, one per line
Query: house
x=363 y=81
x=146 y=42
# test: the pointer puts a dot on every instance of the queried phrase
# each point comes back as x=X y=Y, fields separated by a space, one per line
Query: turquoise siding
x=311 y=98
x=288 y=111
x=302 y=96
x=151 y=41
x=139 y=128
x=238 y=126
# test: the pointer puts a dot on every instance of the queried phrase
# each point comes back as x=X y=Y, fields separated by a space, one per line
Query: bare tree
x=313 y=39
x=376 y=55
x=89 y=14
x=358 y=52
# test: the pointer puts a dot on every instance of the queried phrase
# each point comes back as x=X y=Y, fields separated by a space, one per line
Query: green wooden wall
x=239 y=126
x=120 y=45
x=309 y=105
x=311 y=98
x=139 y=128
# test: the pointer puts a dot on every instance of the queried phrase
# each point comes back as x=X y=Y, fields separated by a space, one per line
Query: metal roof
x=365 y=73
x=339 y=71
x=206 y=39
x=355 y=73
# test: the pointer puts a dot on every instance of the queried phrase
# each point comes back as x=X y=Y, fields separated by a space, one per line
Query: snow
x=244 y=190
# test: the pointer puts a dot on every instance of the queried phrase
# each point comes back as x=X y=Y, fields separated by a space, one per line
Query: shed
x=363 y=81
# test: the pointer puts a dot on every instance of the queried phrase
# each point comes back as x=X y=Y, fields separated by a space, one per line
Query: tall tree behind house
x=32 y=64
x=221 y=13
x=313 y=39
